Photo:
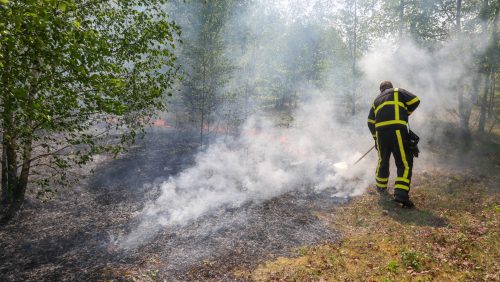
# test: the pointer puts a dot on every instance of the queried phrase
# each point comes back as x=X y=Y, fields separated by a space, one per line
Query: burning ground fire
x=263 y=162
x=161 y=123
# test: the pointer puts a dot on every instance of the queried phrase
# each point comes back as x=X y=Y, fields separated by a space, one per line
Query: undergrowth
x=453 y=235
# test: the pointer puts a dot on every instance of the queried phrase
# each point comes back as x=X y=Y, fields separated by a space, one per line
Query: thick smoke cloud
x=264 y=161
x=267 y=160
x=434 y=76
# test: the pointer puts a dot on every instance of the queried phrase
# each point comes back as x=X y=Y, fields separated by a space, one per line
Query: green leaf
x=101 y=75
x=33 y=15
x=62 y=6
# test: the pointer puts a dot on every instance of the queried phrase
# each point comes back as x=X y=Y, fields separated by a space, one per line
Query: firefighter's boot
x=401 y=196
x=381 y=191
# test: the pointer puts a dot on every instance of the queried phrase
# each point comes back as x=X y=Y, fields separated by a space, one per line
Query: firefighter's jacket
x=391 y=109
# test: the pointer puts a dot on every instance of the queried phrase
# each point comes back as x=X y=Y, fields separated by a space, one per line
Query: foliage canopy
x=71 y=73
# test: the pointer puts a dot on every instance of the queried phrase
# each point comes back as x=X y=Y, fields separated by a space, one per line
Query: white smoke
x=437 y=77
x=266 y=160
x=433 y=75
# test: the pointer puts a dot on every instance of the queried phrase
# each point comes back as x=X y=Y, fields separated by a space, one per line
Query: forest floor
x=453 y=235
x=74 y=237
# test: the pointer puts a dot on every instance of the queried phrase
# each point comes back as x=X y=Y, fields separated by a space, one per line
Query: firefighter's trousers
x=395 y=142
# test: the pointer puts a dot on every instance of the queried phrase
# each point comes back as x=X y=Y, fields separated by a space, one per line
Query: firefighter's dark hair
x=385 y=85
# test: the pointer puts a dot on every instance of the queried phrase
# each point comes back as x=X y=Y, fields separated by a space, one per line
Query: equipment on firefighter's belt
x=413 y=143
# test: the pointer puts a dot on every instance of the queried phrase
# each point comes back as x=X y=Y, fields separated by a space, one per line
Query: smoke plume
x=266 y=160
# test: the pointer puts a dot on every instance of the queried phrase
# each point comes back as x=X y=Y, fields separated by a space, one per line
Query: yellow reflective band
x=412 y=101
x=390 y=122
x=409 y=113
x=396 y=102
x=373 y=106
x=382 y=179
x=384 y=185
x=401 y=186
x=389 y=103
x=379 y=156
x=371 y=121
x=406 y=180
x=403 y=154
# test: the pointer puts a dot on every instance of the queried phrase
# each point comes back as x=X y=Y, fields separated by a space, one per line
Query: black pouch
x=413 y=143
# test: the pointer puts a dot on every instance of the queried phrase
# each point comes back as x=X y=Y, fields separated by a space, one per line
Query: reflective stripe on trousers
x=393 y=142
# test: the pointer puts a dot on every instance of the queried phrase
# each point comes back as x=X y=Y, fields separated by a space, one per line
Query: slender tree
x=208 y=68
x=490 y=60
x=464 y=104
x=401 y=19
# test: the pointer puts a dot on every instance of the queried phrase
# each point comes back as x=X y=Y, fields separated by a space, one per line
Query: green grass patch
x=453 y=235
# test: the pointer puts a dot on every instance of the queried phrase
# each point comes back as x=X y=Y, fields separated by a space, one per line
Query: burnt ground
x=71 y=238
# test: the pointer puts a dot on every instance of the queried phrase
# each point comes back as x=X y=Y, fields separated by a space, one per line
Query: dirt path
x=71 y=238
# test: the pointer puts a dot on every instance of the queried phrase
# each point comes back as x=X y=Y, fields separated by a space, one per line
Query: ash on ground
x=72 y=238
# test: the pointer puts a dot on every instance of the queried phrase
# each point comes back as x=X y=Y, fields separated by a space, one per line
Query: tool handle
x=364 y=155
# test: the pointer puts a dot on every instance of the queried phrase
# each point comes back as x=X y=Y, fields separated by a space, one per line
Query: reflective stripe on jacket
x=391 y=109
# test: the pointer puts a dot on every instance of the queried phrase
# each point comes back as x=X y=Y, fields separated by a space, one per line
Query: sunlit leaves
x=71 y=70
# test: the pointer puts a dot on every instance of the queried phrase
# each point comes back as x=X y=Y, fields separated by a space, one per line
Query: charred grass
x=453 y=235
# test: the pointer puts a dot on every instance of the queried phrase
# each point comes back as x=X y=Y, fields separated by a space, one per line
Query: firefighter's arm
x=371 y=121
x=411 y=101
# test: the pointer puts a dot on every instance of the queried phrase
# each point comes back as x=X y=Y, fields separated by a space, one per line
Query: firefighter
x=388 y=123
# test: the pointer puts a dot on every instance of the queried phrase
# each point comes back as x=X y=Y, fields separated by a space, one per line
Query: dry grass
x=452 y=236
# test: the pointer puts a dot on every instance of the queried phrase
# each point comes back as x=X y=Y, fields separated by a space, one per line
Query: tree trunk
x=401 y=19
x=4 y=176
x=202 y=108
x=11 y=181
x=464 y=104
x=201 y=126
x=491 y=103
x=468 y=103
x=9 y=146
x=17 y=186
x=354 y=51
x=495 y=59
x=484 y=103
x=22 y=181
x=208 y=130
x=491 y=69
x=464 y=115
x=13 y=187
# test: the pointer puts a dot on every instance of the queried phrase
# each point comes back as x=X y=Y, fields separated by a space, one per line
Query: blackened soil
x=71 y=238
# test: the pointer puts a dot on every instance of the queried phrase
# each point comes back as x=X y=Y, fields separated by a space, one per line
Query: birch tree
x=71 y=73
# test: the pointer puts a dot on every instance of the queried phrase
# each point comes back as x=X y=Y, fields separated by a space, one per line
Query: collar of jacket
x=387 y=91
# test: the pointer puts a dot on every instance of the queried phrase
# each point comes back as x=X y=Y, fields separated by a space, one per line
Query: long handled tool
x=364 y=155
x=344 y=165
